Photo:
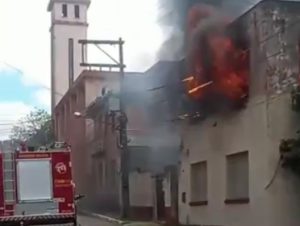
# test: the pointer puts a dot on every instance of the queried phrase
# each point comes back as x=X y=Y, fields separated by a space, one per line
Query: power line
x=8 y=124
x=5 y=131
x=12 y=123
x=21 y=72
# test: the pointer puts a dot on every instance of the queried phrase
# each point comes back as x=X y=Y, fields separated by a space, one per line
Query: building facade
x=149 y=147
x=104 y=155
x=228 y=164
x=154 y=142
x=72 y=127
x=82 y=119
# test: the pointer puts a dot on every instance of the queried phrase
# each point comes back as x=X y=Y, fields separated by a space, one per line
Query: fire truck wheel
x=76 y=223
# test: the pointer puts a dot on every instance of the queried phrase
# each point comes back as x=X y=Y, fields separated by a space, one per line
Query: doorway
x=160 y=199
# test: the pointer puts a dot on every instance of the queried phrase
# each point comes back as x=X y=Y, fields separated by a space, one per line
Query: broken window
x=199 y=182
x=237 y=177
x=64 y=10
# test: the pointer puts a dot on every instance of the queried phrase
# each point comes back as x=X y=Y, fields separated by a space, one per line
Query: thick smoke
x=203 y=21
x=172 y=19
x=218 y=66
x=237 y=7
x=163 y=138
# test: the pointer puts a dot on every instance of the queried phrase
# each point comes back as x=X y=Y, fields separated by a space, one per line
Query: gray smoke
x=236 y=7
x=172 y=19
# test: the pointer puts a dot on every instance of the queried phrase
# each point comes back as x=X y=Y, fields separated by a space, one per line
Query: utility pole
x=122 y=117
x=124 y=141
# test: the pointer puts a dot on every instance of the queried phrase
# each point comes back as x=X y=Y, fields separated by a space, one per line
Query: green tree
x=35 y=128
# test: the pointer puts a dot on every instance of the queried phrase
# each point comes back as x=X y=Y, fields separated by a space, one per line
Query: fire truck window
x=34 y=180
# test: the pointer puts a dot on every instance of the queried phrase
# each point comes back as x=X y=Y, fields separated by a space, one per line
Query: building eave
x=80 y=81
x=68 y=23
x=85 y=74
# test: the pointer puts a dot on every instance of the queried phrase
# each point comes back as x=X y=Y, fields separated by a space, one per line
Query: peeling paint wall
x=276 y=27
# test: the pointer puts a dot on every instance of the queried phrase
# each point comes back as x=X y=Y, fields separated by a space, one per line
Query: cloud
x=10 y=113
x=133 y=20
x=24 y=40
x=6 y=69
x=43 y=96
x=25 y=37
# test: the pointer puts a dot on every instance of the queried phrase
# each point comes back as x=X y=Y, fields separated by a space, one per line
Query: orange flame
x=218 y=65
x=199 y=87
x=190 y=78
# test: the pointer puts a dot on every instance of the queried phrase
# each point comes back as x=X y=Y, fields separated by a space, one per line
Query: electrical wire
x=39 y=85
x=13 y=123
x=6 y=124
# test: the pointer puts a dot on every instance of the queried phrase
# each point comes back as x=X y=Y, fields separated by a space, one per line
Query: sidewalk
x=118 y=221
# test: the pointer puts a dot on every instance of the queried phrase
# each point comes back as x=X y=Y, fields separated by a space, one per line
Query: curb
x=117 y=221
x=104 y=218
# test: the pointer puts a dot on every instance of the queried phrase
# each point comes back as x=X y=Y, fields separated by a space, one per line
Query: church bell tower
x=68 y=25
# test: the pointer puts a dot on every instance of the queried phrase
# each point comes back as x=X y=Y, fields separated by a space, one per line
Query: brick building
x=79 y=131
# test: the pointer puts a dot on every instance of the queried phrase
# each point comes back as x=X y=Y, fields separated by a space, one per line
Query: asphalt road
x=91 y=221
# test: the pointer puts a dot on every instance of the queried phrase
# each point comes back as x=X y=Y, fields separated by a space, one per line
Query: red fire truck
x=36 y=188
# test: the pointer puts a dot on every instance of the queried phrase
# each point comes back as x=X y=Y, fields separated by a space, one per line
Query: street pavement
x=84 y=220
x=93 y=221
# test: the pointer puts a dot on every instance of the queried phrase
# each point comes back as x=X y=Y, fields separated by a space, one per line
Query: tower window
x=64 y=10
x=77 y=15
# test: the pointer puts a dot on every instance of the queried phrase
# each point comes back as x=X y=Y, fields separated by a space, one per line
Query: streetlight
x=78 y=114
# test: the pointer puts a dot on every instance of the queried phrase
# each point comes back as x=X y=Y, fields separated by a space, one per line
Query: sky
x=25 y=47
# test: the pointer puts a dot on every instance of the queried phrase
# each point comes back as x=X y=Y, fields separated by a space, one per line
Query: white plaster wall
x=93 y=87
x=63 y=28
x=283 y=195
x=60 y=66
x=141 y=189
x=258 y=129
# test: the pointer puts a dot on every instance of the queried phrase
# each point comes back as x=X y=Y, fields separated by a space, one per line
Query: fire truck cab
x=36 y=188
